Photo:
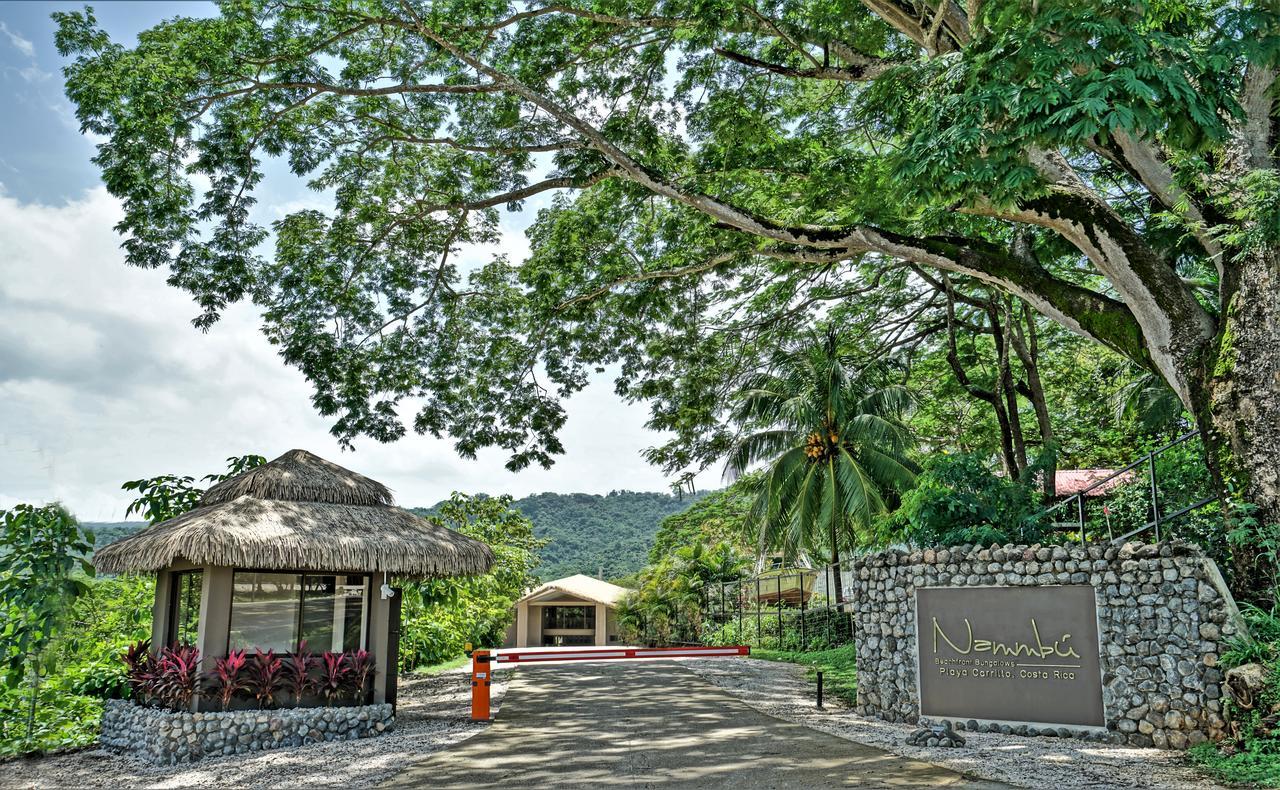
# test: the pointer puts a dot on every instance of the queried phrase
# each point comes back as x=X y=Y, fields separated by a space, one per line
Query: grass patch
x=838 y=665
x=1249 y=767
x=443 y=666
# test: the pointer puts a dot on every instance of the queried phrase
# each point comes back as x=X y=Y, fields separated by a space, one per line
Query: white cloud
x=102 y=380
x=19 y=43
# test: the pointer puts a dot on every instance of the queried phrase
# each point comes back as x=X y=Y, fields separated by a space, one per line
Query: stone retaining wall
x=165 y=737
x=1163 y=616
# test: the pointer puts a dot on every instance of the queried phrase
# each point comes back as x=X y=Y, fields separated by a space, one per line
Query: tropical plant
x=265 y=677
x=226 y=679
x=835 y=444
x=334 y=671
x=177 y=672
x=140 y=665
x=362 y=671
x=299 y=670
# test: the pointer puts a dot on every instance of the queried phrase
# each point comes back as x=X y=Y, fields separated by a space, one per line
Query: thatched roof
x=300 y=476
x=300 y=512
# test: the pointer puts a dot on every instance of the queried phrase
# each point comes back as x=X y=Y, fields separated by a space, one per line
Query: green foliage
x=719 y=517
x=668 y=603
x=439 y=616
x=1257 y=765
x=712 y=203
x=162 y=497
x=43 y=571
x=63 y=720
x=957 y=499
x=1253 y=757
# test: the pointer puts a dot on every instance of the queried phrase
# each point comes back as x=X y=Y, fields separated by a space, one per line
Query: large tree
x=719 y=166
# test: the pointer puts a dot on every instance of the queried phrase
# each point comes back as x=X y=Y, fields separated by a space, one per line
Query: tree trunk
x=1238 y=409
x=835 y=567
x=1027 y=346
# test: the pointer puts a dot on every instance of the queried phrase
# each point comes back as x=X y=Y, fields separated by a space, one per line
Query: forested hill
x=590 y=533
x=587 y=532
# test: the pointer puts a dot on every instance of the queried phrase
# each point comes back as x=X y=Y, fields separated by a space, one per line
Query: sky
x=102 y=377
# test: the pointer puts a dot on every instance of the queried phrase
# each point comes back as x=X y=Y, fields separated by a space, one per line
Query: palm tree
x=835 y=445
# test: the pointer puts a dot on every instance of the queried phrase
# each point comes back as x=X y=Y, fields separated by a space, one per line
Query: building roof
x=581 y=586
x=300 y=512
x=1069 y=482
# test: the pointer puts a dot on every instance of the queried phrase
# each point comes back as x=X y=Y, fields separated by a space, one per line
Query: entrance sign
x=1018 y=655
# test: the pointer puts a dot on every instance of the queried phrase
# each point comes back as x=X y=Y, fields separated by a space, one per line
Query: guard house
x=576 y=610
x=299 y=549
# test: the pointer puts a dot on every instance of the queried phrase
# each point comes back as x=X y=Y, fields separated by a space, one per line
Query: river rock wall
x=167 y=738
x=1164 y=615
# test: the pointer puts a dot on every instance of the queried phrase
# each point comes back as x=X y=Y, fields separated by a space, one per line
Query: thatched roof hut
x=300 y=512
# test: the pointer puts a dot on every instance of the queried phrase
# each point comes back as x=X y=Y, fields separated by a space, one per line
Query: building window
x=276 y=611
x=184 y=607
x=568 y=617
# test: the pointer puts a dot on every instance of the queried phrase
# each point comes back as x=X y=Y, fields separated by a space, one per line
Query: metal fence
x=1072 y=515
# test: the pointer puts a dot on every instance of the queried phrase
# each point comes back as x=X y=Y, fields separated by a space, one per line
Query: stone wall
x=165 y=737
x=1163 y=616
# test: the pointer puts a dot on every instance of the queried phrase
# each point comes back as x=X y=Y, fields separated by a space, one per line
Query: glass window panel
x=333 y=612
x=185 y=627
x=568 y=617
x=264 y=611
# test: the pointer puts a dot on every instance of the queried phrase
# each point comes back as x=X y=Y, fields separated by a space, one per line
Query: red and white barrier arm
x=607 y=653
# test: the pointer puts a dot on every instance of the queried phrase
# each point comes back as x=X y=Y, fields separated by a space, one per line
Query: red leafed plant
x=177 y=669
x=361 y=671
x=226 y=679
x=298 y=672
x=140 y=668
x=265 y=677
x=334 y=668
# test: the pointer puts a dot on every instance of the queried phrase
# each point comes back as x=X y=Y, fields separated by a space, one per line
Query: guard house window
x=184 y=607
x=568 y=617
x=276 y=611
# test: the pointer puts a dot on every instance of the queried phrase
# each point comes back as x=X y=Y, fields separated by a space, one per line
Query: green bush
x=1254 y=757
x=63 y=720
x=958 y=500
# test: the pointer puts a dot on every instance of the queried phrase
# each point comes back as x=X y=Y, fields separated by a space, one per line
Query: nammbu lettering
x=1059 y=648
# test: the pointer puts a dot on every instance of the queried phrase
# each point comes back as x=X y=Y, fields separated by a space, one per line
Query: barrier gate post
x=481 y=676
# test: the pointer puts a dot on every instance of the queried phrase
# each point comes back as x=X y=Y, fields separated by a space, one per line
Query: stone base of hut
x=165 y=737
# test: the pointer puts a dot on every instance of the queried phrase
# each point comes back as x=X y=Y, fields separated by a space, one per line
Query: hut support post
x=215 y=621
x=380 y=636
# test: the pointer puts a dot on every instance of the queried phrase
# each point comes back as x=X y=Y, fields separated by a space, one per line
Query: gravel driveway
x=433 y=713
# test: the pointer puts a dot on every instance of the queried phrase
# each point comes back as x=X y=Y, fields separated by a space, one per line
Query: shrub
x=225 y=679
x=177 y=669
x=361 y=663
x=334 y=669
x=298 y=671
x=265 y=677
x=140 y=666
x=958 y=500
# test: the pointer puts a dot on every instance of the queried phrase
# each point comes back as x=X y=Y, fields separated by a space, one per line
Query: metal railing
x=1157 y=518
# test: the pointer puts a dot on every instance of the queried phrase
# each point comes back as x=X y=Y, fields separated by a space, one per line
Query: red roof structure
x=1069 y=482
